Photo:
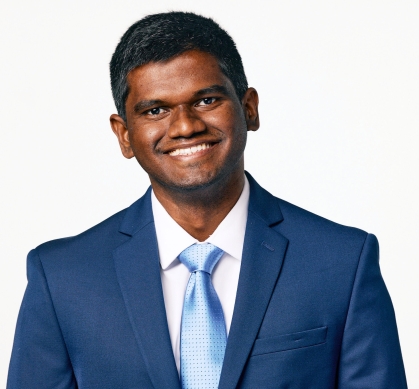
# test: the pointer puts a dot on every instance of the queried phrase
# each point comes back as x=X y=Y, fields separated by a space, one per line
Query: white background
x=339 y=93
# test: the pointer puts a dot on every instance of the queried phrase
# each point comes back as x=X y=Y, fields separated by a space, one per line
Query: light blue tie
x=203 y=336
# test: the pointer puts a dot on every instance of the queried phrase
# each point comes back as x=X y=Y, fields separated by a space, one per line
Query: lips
x=190 y=150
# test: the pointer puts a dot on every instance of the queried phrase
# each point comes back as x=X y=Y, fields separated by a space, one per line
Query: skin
x=176 y=104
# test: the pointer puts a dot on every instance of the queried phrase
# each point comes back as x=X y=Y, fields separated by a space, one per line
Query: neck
x=200 y=211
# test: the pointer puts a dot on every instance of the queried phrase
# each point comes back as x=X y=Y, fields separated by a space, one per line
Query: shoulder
x=296 y=223
x=94 y=247
x=104 y=236
x=101 y=234
x=300 y=221
x=320 y=242
x=89 y=248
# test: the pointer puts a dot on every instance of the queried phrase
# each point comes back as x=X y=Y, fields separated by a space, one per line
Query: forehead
x=186 y=73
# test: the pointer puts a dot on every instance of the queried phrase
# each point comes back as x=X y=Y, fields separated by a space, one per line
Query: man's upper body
x=311 y=310
x=303 y=298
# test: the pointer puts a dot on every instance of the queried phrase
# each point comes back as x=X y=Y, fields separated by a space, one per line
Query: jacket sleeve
x=39 y=357
x=370 y=354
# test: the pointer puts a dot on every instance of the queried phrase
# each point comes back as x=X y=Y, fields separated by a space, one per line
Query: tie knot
x=201 y=257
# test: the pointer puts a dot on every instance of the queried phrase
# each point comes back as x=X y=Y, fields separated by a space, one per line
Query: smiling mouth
x=190 y=150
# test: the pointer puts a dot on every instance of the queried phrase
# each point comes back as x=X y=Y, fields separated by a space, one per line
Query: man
x=207 y=280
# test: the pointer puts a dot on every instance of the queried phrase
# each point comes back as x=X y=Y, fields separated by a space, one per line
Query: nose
x=185 y=123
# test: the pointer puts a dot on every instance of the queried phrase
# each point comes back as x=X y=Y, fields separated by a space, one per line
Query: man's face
x=185 y=124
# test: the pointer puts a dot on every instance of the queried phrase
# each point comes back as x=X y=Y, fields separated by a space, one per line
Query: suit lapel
x=263 y=254
x=138 y=271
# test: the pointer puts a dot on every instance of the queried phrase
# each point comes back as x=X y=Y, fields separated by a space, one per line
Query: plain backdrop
x=339 y=105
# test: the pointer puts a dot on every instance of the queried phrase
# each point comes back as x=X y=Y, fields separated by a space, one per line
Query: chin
x=192 y=182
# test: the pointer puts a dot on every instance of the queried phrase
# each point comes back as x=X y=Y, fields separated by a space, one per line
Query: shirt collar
x=172 y=239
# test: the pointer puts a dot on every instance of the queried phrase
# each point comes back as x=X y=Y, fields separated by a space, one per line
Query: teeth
x=190 y=150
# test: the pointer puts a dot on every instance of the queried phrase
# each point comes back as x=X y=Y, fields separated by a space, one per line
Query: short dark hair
x=162 y=36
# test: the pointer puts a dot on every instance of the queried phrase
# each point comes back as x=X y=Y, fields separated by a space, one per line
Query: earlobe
x=119 y=128
x=250 y=104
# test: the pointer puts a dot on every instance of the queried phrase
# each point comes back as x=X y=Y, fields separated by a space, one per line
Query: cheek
x=142 y=148
x=228 y=122
x=226 y=115
x=145 y=137
x=236 y=128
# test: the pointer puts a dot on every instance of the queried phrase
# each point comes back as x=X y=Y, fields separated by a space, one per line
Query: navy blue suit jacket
x=311 y=311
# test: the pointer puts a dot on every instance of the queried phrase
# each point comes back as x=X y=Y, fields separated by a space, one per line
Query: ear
x=119 y=128
x=250 y=103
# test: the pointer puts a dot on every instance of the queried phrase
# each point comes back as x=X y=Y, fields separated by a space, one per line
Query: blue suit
x=311 y=311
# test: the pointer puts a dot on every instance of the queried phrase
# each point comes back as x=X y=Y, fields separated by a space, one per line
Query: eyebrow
x=212 y=89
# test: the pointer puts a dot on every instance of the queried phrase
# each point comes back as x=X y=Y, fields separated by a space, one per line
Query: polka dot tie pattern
x=203 y=336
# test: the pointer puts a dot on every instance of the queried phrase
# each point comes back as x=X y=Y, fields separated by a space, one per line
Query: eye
x=207 y=101
x=154 y=111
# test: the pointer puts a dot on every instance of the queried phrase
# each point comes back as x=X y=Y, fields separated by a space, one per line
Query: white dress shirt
x=172 y=239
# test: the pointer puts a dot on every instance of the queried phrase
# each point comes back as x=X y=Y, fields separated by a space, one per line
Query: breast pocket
x=291 y=341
